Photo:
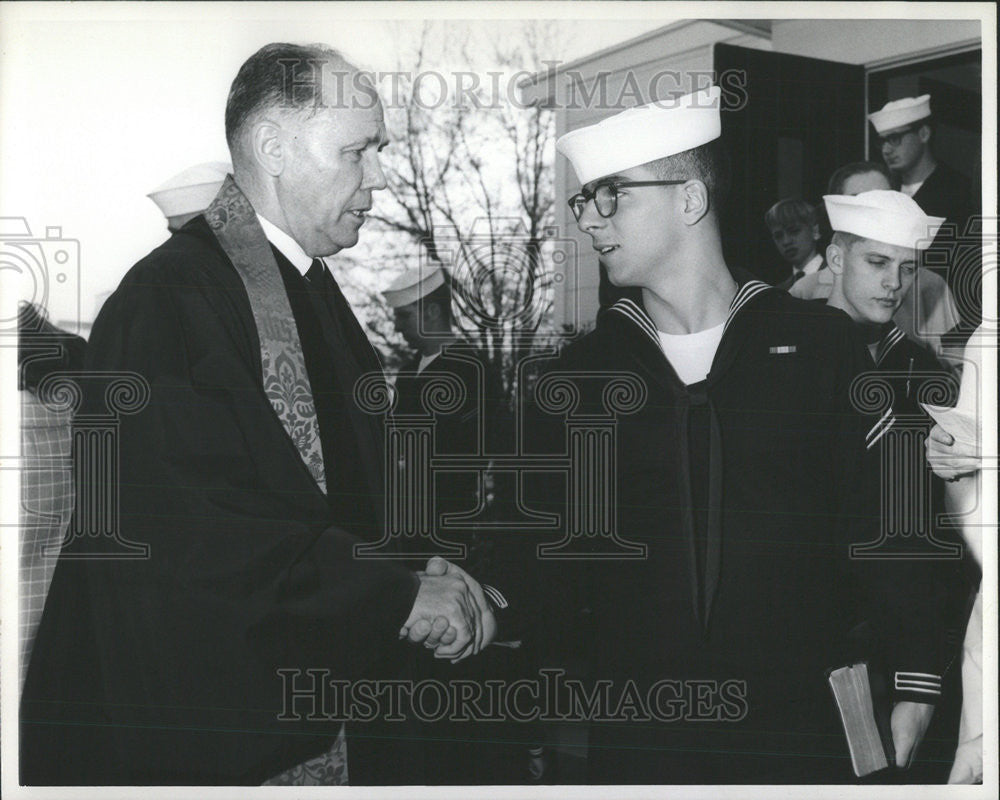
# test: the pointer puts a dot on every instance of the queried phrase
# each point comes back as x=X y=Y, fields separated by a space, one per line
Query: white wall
x=867 y=41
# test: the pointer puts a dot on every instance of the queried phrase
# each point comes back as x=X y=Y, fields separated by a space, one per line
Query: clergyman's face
x=635 y=242
x=874 y=279
x=331 y=167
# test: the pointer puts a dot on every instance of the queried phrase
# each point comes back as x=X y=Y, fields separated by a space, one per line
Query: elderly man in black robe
x=255 y=479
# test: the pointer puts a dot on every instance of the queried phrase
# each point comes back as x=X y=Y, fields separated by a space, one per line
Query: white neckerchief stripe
x=881 y=432
x=882 y=419
x=889 y=341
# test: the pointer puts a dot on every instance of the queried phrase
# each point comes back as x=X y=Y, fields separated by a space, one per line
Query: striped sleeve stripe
x=494 y=594
x=638 y=316
x=917 y=689
x=918 y=682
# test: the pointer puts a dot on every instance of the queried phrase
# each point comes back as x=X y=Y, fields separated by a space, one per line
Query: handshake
x=451 y=614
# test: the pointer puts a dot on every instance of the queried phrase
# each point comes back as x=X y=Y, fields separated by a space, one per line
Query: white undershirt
x=691 y=354
x=911 y=188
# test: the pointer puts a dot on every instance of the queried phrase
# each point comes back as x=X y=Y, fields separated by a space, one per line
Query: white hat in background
x=413 y=285
x=900 y=113
x=883 y=216
x=191 y=191
x=643 y=134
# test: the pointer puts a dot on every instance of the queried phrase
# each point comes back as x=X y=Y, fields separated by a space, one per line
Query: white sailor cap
x=902 y=112
x=643 y=134
x=412 y=285
x=191 y=191
x=883 y=216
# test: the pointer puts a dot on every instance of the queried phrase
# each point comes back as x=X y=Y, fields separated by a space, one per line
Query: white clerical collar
x=812 y=265
x=288 y=247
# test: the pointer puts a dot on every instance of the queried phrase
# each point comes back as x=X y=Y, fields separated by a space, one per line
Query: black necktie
x=316 y=272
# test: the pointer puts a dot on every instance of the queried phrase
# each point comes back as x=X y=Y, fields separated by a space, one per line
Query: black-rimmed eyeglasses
x=605 y=196
x=894 y=139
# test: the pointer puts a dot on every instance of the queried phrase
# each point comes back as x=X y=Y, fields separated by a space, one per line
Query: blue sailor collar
x=637 y=315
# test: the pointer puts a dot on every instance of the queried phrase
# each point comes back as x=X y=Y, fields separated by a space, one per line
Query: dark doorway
x=801 y=119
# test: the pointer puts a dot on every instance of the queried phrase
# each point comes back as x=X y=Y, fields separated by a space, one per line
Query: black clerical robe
x=747 y=491
x=165 y=669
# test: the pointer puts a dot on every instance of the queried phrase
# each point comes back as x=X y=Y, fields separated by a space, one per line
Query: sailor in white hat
x=928 y=310
x=190 y=192
x=905 y=129
x=421 y=302
x=653 y=178
x=877 y=241
x=721 y=474
x=905 y=132
x=873 y=255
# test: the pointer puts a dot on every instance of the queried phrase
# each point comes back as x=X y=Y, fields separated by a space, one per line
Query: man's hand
x=949 y=459
x=445 y=614
x=909 y=724
x=439 y=633
x=488 y=629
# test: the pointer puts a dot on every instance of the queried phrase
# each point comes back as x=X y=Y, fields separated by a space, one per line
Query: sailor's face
x=902 y=148
x=875 y=279
x=634 y=243
x=407 y=321
x=331 y=168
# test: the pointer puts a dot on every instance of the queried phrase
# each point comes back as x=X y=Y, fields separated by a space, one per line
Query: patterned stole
x=286 y=383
